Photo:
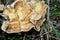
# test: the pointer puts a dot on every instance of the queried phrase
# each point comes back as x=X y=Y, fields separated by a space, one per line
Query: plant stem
x=48 y=19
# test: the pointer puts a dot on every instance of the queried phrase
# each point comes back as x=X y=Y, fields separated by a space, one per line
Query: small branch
x=41 y=34
x=24 y=37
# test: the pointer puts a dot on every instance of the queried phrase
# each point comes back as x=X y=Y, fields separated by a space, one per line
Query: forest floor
x=46 y=33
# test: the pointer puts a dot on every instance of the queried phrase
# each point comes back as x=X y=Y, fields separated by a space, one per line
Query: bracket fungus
x=1 y=7
x=23 y=16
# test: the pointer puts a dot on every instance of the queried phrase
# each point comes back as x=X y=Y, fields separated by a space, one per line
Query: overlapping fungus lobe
x=18 y=4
